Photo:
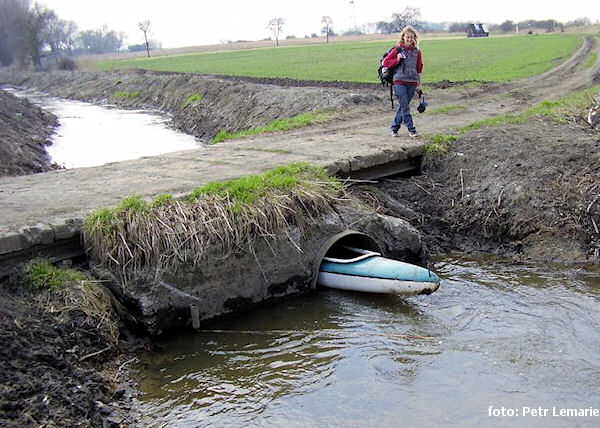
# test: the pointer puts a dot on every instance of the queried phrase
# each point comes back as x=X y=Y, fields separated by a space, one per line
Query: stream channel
x=510 y=336
x=91 y=135
x=499 y=344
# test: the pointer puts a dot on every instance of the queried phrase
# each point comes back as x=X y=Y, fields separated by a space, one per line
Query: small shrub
x=73 y=292
x=67 y=63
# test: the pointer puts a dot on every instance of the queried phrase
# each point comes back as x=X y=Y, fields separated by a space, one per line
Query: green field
x=494 y=59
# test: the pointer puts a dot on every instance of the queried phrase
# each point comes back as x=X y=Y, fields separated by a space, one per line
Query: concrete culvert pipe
x=336 y=247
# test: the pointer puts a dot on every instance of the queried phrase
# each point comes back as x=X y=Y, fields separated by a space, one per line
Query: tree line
x=412 y=16
x=31 y=33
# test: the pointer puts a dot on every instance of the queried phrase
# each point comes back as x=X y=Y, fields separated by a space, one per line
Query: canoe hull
x=376 y=285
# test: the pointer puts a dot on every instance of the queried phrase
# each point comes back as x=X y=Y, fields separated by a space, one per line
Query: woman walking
x=407 y=78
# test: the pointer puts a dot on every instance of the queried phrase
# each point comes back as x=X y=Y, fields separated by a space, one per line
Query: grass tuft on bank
x=439 y=144
x=278 y=125
x=127 y=95
x=219 y=217
x=72 y=292
x=40 y=274
x=194 y=98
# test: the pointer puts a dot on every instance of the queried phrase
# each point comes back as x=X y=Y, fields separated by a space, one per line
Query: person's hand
x=401 y=56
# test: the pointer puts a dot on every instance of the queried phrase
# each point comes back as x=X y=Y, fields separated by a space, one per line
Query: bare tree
x=70 y=33
x=145 y=26
x=410 y=16
x=275 y=26
x=36 y=28
x=327 y=22
x=59 y=35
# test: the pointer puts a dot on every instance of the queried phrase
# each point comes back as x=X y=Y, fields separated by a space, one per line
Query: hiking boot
x=414 y=134
x=394 y=133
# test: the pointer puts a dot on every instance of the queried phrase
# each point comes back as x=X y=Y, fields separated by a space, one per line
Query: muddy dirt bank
x=57 y=369
x=25 y=130
x=526 y=191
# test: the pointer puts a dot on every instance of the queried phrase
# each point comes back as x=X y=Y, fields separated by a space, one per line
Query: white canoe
x=367 y=271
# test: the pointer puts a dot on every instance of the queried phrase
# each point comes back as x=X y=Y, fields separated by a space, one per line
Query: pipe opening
x=336 y=247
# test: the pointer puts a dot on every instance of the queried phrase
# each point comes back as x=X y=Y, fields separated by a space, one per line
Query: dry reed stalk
x=185 y=232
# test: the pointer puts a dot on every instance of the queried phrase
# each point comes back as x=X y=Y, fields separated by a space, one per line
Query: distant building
x=477 y=30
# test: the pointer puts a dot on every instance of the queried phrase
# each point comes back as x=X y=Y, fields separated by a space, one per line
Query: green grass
x=494 y=59
x=591 y=60
x=439 y=144
x=40 y=274
x=248 y=189
x=125 y=94
x=493 y=121
x=133 y=203
x=192 y=99
x=275 y=126
x=161 y=200
x=447 y=109
x=107 y=219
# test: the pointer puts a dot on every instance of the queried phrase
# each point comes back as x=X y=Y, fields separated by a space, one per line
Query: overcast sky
x=178 y=23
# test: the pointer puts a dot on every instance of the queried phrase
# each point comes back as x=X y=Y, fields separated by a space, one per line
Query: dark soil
x=25 y=130
x=49 y=375
x=529 y=191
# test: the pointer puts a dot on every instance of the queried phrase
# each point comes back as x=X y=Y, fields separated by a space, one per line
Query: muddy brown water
x=495 y=338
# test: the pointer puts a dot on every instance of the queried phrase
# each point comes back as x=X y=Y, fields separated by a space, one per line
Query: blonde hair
x=409 y=29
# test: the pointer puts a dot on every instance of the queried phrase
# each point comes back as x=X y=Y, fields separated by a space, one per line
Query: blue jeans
x=404 y=93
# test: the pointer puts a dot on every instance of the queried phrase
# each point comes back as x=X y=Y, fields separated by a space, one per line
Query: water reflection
x=494 y=334
x=91 y=135
x=257 y=363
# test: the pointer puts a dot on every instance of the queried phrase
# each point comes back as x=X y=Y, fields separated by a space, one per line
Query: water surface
x=91 y=135
x=494 y=334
